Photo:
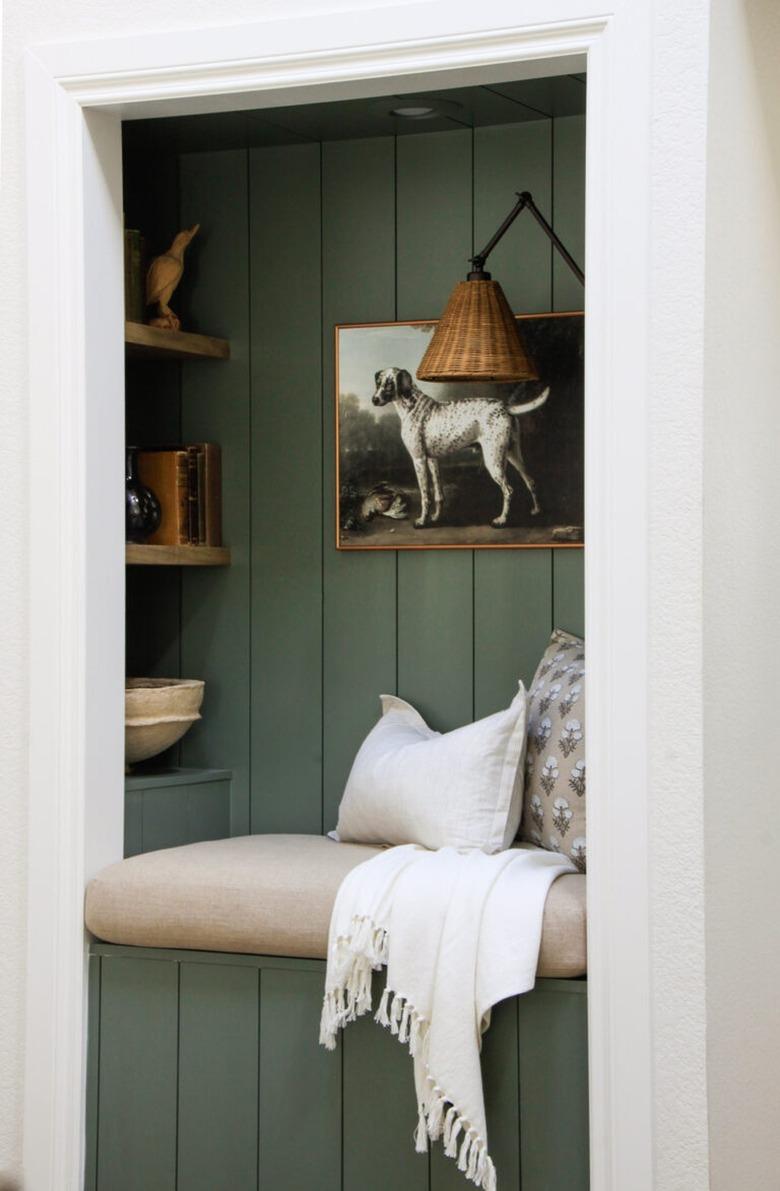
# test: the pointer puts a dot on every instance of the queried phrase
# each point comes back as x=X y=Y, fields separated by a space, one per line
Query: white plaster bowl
x=158 y=711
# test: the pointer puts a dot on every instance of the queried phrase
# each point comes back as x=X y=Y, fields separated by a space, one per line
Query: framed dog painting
x=420 y=464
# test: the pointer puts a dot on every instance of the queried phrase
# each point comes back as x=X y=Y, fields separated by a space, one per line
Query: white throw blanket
x=459 y=932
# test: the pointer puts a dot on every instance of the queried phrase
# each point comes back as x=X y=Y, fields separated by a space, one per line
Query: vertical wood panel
x=134 y=822
x=152 y=594
x=380 y=1113
x=286 y=488
x=569 y=208
x=152 y=418
x=153 y=397
x=215 y=407
x=501 y=1108
x=509 y=158
x=359 y=590
x=93 y=1076
x=513 y=621
x=164 y=819
x=167 y=816
x=512 y=588
x=218 y=1076
x=444 y=1173
x=435 y=588
x=499 y=1079
x=138 y=1075
x=208 y=806
x=553 y=1057
x=537 y=1043
x=153 y=620
x=569 y=212
x=436 y=635
x=569 y=588
x=433 y=198
x=300 y=1087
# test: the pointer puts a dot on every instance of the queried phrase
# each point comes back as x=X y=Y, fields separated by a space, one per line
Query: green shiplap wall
x=217 y=613
x=296 y=641
x=205 y=1074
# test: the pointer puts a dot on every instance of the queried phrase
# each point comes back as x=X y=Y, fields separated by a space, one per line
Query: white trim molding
x=76 y=594
x=77 y=94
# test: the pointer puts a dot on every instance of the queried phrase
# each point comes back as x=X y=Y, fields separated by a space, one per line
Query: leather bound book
x=166 y=472
x=210 y=493
x=193 y=496
x=201 y=457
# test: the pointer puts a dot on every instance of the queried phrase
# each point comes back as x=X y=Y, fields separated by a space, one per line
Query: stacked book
x=187 y=482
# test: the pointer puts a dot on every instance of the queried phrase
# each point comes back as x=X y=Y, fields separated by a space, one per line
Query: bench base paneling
x=205 y=1074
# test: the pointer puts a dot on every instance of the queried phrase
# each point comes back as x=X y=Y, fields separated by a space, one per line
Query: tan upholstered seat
x=271 y=895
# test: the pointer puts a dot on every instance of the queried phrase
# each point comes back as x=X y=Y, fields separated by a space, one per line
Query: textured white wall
x=741 y=584
x=676 y=244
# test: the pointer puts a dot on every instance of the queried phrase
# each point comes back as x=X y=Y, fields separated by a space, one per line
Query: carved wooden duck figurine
x=162 y=277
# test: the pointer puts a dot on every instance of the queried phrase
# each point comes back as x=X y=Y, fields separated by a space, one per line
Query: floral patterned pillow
x=554 y=800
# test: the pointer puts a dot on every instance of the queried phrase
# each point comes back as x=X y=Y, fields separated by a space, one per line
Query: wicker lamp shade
x=477 y=339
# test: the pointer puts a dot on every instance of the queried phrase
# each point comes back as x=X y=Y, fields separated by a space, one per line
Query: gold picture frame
x=379 y=494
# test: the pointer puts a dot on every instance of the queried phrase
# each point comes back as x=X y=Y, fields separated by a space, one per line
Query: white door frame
x=76 y=94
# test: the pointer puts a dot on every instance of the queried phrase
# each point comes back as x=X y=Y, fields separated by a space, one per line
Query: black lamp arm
x=524 y=201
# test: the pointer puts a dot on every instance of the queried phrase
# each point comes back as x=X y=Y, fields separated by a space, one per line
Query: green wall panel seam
x=518 y=102
x=287 y=489
x=180 y=392
x=473 y=635
x=552 y=212
x=216 y=605
x=97 y=1089
x=473 y=553
x=323 y=502
x=259 y=1070
x=94 y=1018
x=473 y=194
x=250 y=496
x=519 y=1098
x=396 y=570
x=395 y=228
x=178 y=1074
x=397 y=567
x=341 y=1082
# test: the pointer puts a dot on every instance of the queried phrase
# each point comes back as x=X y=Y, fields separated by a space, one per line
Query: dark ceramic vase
x=142 y=508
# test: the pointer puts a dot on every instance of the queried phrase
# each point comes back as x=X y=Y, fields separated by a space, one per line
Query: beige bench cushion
x=271 y=895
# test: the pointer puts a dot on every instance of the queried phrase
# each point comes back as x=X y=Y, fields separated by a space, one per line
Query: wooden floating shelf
x=142 y=555
x=154 y=342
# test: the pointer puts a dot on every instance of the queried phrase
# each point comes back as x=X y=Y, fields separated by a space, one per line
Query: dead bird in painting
x=358 y=508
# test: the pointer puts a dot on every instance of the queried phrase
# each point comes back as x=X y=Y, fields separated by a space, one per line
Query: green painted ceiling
x=499 y=103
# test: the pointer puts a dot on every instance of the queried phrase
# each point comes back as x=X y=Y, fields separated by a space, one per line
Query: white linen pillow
x=412 y=785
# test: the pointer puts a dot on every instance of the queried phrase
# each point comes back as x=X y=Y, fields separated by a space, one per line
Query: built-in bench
x=272 y=895
x=205 y=1072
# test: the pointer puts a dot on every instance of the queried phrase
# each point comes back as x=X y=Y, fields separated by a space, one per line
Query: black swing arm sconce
x=478 y=337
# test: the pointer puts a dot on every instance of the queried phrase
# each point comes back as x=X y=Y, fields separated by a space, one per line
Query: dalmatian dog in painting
x=431 y=429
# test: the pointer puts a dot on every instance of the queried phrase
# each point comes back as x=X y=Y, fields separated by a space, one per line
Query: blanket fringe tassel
x=357 y=958
x=437 y=1116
